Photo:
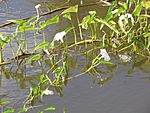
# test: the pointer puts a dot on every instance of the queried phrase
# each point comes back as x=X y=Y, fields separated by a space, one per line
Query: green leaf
x=148 y=42
x=147 y=34
x=109 y=16
x=9 y=111
x=2 y=41
x=104 y=62
x=140 y=42
x=23 y=110
x=71 y=10
x=50 y=109
x=21 y=26
x=121 y=25
x=17 y=21
x=53 y=20
x=121 y=10
x=68 y=29
x=125 y=6
x=58 y=70
x=137 y=9
x=90 y=19
x=112 y=7
x=52 y=45
x=1 y=35
x=146 y=4
x=67 y=15
x=4 y=63
x=107 y=24
x=85 y=22
x=41 y=45
x=5 y=41
x=35 y=58
x=4 y=102
x=42 y=77
x=109 y=13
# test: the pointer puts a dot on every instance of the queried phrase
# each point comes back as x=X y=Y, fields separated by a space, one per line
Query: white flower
x=59 y=36
x=48 y=92
x=125 y=58
x=92 y=12
x=124 y=20
x=126 y=17
x=122 y=17
x=104 y=54
x=37 y=10
x=37 y=6
x=115 y=11
x=81 y=2
x=131 y=17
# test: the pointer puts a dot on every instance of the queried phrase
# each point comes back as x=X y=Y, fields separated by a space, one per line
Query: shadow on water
x=121 y=87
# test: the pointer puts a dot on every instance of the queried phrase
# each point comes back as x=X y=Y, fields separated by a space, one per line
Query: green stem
x=95 y=31
x=2 y=110
x=92 y=32
x=25 y=42
x=75 y=36
x=80 y=30
x=0 y=53
x=35 y=40
x=44 y=38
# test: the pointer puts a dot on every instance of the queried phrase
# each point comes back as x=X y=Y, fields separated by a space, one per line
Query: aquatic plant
x=3 y=42
x=132 y=23
x=127 y=28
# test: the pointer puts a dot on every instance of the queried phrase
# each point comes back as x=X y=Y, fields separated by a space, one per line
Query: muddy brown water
x=127 y=92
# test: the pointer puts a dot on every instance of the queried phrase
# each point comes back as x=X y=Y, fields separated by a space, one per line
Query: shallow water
x=126 y=92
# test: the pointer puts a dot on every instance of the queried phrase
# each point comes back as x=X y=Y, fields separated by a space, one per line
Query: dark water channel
x=128 y=91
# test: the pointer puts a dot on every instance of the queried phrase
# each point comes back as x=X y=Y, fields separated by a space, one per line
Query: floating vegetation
x=124 y=31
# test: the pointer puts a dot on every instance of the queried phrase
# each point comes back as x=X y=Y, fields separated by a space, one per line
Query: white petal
x=37 y=6
x=59 y=36
x=126 y=17
x=131 y=17
x=48 y=92
x=81 y=2
x=115 y=11
x=122 y=17
x=104 y=54
x=125 y=58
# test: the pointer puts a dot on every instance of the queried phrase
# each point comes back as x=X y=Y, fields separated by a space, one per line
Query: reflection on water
x=124 y=89
x=79 y=60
